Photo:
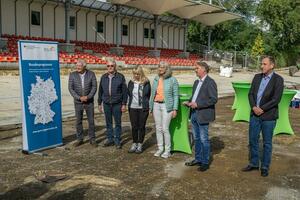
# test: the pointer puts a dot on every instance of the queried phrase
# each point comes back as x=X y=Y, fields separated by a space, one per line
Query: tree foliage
x=277 y=22
x=258 y=47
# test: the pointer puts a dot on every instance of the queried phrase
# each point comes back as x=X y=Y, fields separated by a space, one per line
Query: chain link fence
x=236 y=59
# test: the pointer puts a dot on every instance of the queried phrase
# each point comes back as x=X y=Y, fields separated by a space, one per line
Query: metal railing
x=236 y=59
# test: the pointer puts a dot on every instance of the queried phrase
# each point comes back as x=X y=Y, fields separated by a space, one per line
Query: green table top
x=241 y=83
x=288 y=91
x=186 y=85
x=242 y=86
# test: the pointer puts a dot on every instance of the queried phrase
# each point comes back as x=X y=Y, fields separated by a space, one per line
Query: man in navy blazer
x=264 y=96
x=202 y=104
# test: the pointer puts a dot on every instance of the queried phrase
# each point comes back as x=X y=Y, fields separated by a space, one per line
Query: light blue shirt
x=263 y=84
x=200 y=82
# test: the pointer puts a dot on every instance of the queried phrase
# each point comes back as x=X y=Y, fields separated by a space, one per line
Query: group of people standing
x=113 y=95
x=161 y=100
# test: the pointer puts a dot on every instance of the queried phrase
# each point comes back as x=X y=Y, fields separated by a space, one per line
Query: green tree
x=258 y=47
x=281 y=24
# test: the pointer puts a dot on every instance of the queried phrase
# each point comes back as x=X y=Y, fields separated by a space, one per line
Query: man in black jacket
x=112 y=100
x=202 y=104
x=264 y=96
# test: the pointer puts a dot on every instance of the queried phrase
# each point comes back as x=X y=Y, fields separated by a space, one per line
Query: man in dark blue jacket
x=112 y=99
x=264 y=97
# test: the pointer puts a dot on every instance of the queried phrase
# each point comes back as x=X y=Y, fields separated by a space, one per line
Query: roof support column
x=16 y=25
x=76 y=26
x=185 y=54
x=136 y=32
x=67 y=22
x=0 y=21
x=155 y=31
x=29 y=17
x=186 y=23
x=155 y=52
x=118 y=25
x=119 y=51
x=129 y=27
x=209 y=38
x=67 y=47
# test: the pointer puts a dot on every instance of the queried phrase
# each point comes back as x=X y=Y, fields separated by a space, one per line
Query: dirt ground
x=108 y=173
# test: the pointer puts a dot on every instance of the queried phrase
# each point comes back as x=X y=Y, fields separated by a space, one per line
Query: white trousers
x=162 y=121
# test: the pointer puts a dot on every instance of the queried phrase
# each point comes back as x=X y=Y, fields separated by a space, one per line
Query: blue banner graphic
x=41 y=95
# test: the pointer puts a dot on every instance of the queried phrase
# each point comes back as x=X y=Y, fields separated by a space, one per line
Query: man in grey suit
x=83 y=87
x=202 y=104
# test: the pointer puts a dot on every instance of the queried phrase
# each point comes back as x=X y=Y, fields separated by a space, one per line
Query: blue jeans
x=256 y=126
x=201 y=139
x=113 y=111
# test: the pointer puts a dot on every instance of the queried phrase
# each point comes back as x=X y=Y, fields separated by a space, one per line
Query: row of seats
x=133 y=55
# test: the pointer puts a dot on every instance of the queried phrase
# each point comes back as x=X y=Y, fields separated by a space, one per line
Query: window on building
x=35 y=18
x=99 y=26
x=152 y=34
x=125 y=30
x=72 y=22
x=146 y=33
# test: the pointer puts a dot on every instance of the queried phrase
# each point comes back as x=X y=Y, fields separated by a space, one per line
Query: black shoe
x=249 y=168
x=93 y=143
x=78 y=143
x=264 y=172
x=192 y=163
x=118 y=146
x=203 y=167
x=108 y=143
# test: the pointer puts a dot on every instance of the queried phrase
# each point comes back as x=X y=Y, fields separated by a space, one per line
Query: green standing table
x=283 y=123
x=236 y=83
x=243 y=110
x=186 y=89
x=179 y=128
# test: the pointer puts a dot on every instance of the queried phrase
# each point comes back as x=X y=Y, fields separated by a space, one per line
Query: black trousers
x=138 y=118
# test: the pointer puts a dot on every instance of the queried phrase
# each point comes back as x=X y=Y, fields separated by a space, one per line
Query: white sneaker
x=132 y=148
x=158 y=152
x=165 y=155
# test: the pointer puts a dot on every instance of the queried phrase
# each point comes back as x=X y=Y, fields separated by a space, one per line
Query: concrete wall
x=52 y=25
x=48 y=16
x=8 y=16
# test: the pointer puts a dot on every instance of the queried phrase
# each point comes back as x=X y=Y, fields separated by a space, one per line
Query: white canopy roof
x=190 y=11
x=211 y=19
x=155 y=7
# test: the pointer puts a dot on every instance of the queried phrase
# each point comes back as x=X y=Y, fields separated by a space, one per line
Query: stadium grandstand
x=133 y=32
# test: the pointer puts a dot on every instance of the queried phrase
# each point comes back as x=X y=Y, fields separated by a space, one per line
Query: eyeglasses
x=110 y=66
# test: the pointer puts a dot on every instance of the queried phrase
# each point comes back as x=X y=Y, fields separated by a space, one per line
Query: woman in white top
x=139 y=92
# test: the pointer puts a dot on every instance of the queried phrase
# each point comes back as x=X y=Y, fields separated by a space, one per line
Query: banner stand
x=40 y=95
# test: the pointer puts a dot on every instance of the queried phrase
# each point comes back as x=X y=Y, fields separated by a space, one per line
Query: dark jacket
x=270 y=98
x=144 y=96
x=206 y=100
x=75 y=87
x=118 y=90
